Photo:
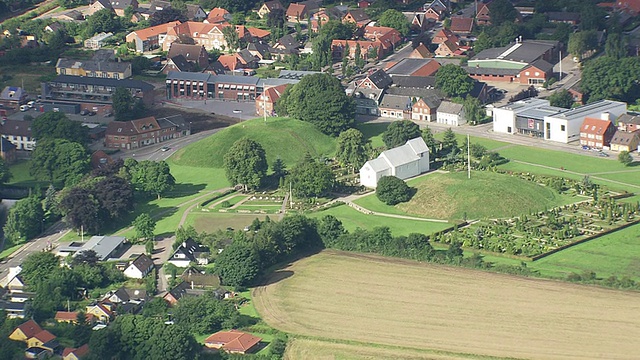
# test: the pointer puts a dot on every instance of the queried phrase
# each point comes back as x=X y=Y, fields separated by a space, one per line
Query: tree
x=145 y=227
x=37 y=266
x=115 y=196
x=150 y=176
x=5 y=174
x=86 y=257
x=310 y=178
x=57 y=160
x=231 y=37
x=502 y=11
x=166 y=15
x=582 y=41
x=395 y=19
x=561 y=98
x=625 y=158
x=449 y=142
x=321 y=100
x=615 y=47
x=24 y=221
x=279 y=169
x=357 y=55
x=276 y=18
x=124 y=105
x=149 y=246
x=392 y=190
x=453 y=80
x=477 y=150
x=352 y=148
x=337 y=30
x=473 y=110
x=429 y=140
x=246 y=163
x=607 y=78
x=321 y=55
x=56 y=125
x=237 y=265
x=398 y=132
x=330 y=229
x=82 y=210
x=104 y=20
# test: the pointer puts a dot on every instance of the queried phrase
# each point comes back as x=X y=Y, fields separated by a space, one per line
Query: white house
x=189 y=252
x=139 y=268
x=565 y=126
x=450 y=113
x=405 y=161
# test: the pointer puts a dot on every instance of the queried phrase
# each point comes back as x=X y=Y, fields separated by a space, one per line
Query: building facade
x=143 y=132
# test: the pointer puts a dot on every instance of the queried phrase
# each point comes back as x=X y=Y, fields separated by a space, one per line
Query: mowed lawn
x=614 y=254
x=485 y=195
x=212 y=222
x=284 y=138
x=353 y=219
x=373 y=301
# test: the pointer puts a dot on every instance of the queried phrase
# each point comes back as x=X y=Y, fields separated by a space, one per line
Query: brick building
x=143 y=132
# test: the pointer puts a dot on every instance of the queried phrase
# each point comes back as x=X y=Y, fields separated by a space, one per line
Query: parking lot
x=237 y=109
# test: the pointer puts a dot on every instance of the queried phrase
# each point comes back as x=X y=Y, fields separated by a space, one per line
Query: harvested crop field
x=373 y=301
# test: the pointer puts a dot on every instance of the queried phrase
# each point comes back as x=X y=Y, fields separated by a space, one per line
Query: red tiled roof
x=461 y=24
x=233 y=340
x=30 y=328
x=595 y=126
x=44 y=336
x=229 y=61
x=66 y=316
x=273 y=93
x=146 y=33
x=296 y=9
x=216 y=14
x=258 y=33
x=78 y=352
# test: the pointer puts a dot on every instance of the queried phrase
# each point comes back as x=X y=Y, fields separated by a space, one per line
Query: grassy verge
x=8 y=251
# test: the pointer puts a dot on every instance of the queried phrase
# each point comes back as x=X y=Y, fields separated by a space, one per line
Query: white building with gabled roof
x=406 y=161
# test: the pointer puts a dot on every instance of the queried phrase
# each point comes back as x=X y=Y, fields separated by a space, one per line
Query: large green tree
x=81 y=210
x=352 y=148
x=205 y=314
x=398 y=132
x=246 y=163
x=392 y=190
x=614 y=79
x=237 y=265
x=616 y=46
x=125 y=106
x=145 y=227
x=58 y=160
x=473 y=110
x=502 y=11
x=395 y=19
x=5 y=174
x=310 y=178
x=582 y=41
x=56 y=125
x=453 y=80
x=24 y=221
x=321 y=100
x=561 y=98
x=37 y=266
x=152 y=177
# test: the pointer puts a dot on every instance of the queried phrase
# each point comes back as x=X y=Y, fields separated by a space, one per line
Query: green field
x=283 y=138
x=373 y=132
x=212 y=222
x=353 y=219
x=485 y=195
x=21 y=176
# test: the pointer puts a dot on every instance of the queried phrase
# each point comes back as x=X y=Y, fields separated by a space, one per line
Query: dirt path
x=367 y=299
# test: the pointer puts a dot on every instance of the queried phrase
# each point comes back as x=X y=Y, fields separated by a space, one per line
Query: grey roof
x=289 y=42
x=629 y=119
x=418 y=145
x=358 y=14
x=478 y=86
x=10 y=306
x=399 y=102
x=191 y=76
x=190 y=249
x=7 y=145
x=380 y=79
x=156 y=5
x=406 y=153
x=121 y=4
x=408 y=66
x=15 y=127
x=83 y=80
x=522 y=105
x=192 y=10
x=174 y=120
x=102 y=245
x=597 y=107
x=181 y=63
x=295 y=74
x=378 y=164
x=563 y=16
x=103 y=55
x=415 y=92
x=623 y=137
x=448 y=107
x=92 y=65
x=234 y=79
x=190 y=52
x=424 y=82
x=275 y=82
x=143 y=262
x=12 y=93
x=539 y=113
x=542 y=65
x=526 y=51
x=260 y=46
x=471 y=70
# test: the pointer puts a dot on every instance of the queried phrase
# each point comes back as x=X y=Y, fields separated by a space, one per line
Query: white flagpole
x=468 y=157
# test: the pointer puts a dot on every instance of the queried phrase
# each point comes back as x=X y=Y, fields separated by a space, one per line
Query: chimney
x=192 y=285
x=184 y=244
x=605 y=116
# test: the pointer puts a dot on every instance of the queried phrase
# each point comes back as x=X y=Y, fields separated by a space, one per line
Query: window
x=562 y=128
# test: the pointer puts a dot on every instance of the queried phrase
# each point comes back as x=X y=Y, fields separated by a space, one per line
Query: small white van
x=24 y=108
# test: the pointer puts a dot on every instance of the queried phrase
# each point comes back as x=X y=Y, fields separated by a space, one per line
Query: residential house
x=577 y=93
x=218 y=16
x=418 y=21
x=421 y=52
x=233 y=341
x=425 y=108
x=435 y=10
x=189 y=252
x=597 y=133
x=75 y=353
x=124 y=295
x=119 y=6
x=247 y=59
x=159 y=5
x=14 y=310
x=461 y=26
x=196 y=54
x=414 y=82
x=267 y=100
x=13 y=96
x=150 y=38
x=260 y=49
x=7 y=151
x=537 y=73
x=450 y=113
x=102 y=311
x=367 y=100
x=18 y=132
x=72 y=317
x=25 y=331
x=363 y=4
x=286 y=45
x=97 y=41
x=44 y=340
x=146 y=131
x=483 y=15
x=296 y=12
x=448 y=49
x=195 y=12
x=94 y=90
x=414 y=67
x=480 y=91
x=174 y=295
x=625 y=141
x=571 y=18
x=628 y=122
x=318 y=19
x=96 y=6
x=12 y=281
x=91 y=68
x=387 y=36
x=104 y=247
x=358 y=17
x=53 y=27
x=178 y=63
x=100 y=159
x=378 y=79
x=201 y=280
x=408 y=160
x=68 y=16
x=139 y=267
x=444 y=35
x=268 y=7
x=395 y=106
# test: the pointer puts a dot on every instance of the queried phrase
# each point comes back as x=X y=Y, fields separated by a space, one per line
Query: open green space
x=21 y=176
x=560 y=159
x=30 y=77
x=490 y=144
x=373 y=132
x=212 y=222
x=353 y=219
x=231 y=200
x=614 y=254
x=485 y=195
x=283 y=138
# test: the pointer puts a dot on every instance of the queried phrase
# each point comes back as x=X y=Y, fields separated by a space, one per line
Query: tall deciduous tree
x=453 y=80
x=449 y=141
x=237 y=265
x=582 y=41
x=616 y=46
x=607 y=78
x=115 y=196
x=246 y=163
x=38 y=266
x=56 y=125
x=166 y=15
x=395 y=19
x=231 y=37
x=5 y=174
x=352 y=148
x=625 y=158
x=59 y=160
x=82 y=210
x=502 y=11
x=125 y=106
x=561 y=98
x=429 y=140
x=398 y=132
x=24 y=220
x=473 y=110
x=310 y=178
x=357 y=55
x=145 y=227
x=150 y=176
x=321 y=100
x=392 y=190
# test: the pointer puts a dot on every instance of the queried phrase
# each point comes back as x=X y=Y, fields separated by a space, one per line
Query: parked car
x=24 y=107
x=165 y=148
x=84 y=112
x=585 y=147
x=603 y=154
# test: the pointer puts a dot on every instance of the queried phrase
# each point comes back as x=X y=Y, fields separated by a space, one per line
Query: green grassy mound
x=285 y=138
x=485 y=195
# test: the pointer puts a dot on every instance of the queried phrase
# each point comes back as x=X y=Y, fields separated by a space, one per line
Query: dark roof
x=527 y=51
x=157 y=5
x=420 y=82
x=380 y=79
x=121 y=4
x=358 y=15
x=105 y=3
x=179 y=290
x=408 y=66
x=563 y=16
x=12 y=93
x=400 y=102
x=629 y=119
x=182 y=64
x=542 y=65
x=189 y=248
x=191 y=76
x=289 y=42
x=623 y=137
x=448 y=107
x=125 y=83
x=15 y=127
x=260 y=46
x=190 y=52
x=173 y=120
x=491 y=71
x=431 y=97
x=7 y=145
x=192 y=10
x=143 y=262
x=478 y=86
x=232 y=79
x=247 y=56
x=92 y=65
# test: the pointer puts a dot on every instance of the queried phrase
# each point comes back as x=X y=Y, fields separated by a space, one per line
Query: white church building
x=408 y=160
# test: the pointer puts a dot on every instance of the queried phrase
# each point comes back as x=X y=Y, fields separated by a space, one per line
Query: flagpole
x=468 y=157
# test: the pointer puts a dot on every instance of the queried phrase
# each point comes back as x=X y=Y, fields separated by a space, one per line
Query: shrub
x=225 y=204
x=392 y=190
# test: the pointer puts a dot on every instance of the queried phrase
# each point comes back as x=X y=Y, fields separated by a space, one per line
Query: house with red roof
x=296 y=12
x=421 y=52
x=150 y=38
x=597 y=133
x=357 y=16
x=43 y=339
x=25 y=331
x=461 y=25
x=75 y=353
x=269 y=6
x=218 y=16
x=267 y=100
x=444 y=35
x=631 y=7
x=102 y=311
x=483 y=17
x=448 y=49
x=233 y=341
